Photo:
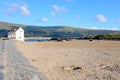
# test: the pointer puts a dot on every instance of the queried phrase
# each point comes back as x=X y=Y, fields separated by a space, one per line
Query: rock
x=71 y=68
x=76 y=68
x=34 y=60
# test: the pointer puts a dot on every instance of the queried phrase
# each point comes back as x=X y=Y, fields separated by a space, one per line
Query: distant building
x=16 y=33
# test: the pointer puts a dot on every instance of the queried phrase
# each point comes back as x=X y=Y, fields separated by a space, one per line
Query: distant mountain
x=64 y=31
x=54 y=31
x=6 y=25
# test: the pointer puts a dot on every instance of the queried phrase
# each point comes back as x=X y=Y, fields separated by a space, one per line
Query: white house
x=16 y=33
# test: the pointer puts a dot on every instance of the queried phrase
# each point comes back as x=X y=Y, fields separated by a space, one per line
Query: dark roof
x=14 y=27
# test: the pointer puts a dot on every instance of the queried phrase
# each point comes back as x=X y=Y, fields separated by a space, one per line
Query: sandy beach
x=74 y=60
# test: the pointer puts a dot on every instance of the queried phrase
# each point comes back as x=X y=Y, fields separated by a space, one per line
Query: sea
x=38 y=40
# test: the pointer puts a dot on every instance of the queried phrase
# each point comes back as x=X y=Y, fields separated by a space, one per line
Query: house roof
x=14 y=29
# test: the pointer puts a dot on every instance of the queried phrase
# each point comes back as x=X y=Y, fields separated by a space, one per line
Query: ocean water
x=39 y=40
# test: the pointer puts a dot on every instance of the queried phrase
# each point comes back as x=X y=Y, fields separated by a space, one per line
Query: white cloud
x=95 y=28
x=44 y=19
x=101 y=18
x=53 y=13
x=91 y=27
x=59 y=9
x=113 y=28
x=77 y=17
x=8 y=13
x=110 y=28
x=59 y=20
x=25 y=11
x=15 y=7
x=118 y=21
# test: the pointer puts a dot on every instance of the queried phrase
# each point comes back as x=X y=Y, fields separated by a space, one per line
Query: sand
x=74 y=60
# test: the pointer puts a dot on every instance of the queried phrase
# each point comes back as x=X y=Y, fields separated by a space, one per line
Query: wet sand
x=74 y=60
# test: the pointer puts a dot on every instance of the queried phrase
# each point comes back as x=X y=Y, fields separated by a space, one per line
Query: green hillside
x=64 y=31
x=5 y=25
x=54 y=31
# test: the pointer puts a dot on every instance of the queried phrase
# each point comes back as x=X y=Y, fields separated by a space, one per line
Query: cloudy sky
x=95 y=14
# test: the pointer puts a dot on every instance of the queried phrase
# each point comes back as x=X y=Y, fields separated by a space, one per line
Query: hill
x=64 y=31
x=54 y=31
x=6 y=25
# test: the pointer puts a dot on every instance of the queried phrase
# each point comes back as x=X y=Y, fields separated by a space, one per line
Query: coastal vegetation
x=104 y=36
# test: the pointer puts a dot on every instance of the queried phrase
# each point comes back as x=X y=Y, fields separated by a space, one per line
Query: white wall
x=20 y=34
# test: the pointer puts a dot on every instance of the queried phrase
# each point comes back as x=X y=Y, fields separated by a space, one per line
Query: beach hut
x=16 y=33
